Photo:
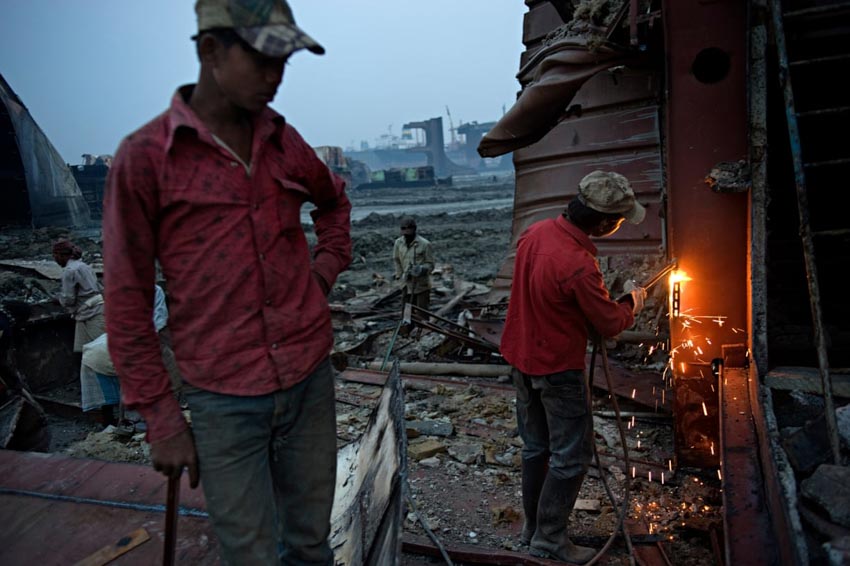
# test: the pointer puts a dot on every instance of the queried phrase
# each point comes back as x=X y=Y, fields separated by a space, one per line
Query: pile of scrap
x=808 y=469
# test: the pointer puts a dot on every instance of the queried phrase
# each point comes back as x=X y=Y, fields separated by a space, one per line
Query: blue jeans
x=555 y=420
x=268 y=470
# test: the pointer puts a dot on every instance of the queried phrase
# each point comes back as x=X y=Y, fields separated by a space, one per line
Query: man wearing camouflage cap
x=212 y=189
x=558 y=293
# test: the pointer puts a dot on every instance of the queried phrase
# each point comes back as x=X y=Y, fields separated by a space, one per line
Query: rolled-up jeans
x=555 y=420
x=268 y=470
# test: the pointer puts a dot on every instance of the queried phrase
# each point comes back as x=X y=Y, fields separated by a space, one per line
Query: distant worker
x=414 y=261
x=80 y=294
x=101 y=388
x=557 y=295
x=212 y=189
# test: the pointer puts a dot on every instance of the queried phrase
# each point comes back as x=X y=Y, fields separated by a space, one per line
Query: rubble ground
x=464 y=451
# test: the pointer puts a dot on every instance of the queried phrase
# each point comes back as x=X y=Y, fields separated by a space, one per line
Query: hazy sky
x=92 y=71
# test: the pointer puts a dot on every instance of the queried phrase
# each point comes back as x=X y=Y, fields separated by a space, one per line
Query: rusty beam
x=748 y=531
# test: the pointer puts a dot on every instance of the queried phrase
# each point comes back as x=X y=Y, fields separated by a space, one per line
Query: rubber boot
x=550 y=540
x=107 y=415
x=533 y=476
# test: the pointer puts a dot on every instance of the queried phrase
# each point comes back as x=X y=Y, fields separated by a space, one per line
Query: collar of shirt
x=181 y=115
x=405 y=244
x=573 y=230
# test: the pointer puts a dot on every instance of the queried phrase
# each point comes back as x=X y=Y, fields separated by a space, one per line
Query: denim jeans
x=268 y=470
x=555 y=420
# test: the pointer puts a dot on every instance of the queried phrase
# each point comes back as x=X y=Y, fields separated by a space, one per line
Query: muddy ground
x=464 y=449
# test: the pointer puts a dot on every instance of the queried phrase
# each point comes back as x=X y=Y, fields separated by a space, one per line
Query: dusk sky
x=92 y=71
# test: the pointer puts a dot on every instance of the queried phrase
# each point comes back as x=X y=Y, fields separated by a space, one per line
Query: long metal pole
x=171 y=513
x=805 y=229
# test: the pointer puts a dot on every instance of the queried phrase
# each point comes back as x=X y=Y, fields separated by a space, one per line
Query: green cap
x=606 y=191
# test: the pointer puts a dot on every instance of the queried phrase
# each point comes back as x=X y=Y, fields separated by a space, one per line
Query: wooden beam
x=109 y=553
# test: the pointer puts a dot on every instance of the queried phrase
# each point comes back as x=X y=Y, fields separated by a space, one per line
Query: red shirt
x=556 y=295
x=246 y=315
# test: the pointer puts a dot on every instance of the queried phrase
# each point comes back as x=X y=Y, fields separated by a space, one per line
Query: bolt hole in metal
x=711 y=65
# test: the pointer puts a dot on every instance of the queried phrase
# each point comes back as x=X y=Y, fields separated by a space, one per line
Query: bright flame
x=678 y=275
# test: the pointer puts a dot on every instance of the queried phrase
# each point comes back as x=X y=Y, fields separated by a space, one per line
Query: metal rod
x=171 y=508
x=661 y=273
x=147 y=508
x=805 y=229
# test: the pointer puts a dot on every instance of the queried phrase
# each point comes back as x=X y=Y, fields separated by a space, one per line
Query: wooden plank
x=807 y=379
x=116 y=549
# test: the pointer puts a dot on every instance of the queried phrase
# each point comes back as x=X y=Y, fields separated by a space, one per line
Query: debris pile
x=464 y=449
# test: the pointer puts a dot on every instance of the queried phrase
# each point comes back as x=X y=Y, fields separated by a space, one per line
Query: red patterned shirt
x=556 y=295
x=245 y=311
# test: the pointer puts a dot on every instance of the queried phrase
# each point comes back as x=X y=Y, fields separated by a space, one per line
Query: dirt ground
x=464 y=449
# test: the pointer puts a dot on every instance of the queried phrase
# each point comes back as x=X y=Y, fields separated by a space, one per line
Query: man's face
x=409 y=233
x=607 y=227
x=246 y=77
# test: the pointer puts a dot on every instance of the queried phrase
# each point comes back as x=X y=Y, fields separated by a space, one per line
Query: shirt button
x=262 y=256
x=274 y=346
x=233 y=164
x=256 y=207
x=268 y=302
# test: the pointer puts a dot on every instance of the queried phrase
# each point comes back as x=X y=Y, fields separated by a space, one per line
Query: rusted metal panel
x=558 y=182
x=707 y=231
x=58 y=510
x=589 y=136
x=540 y=19
x=612 y=123
x=695 y=411
x=747 y=524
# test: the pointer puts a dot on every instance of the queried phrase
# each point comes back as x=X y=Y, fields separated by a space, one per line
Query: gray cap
x=606 y=191
x=266 y=25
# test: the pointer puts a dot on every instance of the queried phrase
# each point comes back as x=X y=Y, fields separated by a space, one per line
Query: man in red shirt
x=557 y=295
x=212 y=189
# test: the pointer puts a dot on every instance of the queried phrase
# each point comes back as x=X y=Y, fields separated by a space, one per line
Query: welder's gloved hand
x=638 y=295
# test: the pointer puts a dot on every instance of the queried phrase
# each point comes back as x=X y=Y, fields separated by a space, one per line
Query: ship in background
x=420 y=157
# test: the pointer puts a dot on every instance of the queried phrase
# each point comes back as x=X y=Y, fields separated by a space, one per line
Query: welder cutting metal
x=558 y=297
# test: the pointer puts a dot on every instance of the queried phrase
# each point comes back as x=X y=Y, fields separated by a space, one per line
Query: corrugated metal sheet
x=54 y=197
x=612 y=123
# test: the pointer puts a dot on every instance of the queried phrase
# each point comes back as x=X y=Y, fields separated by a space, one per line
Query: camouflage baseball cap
x=610 y=192
x=266 y=25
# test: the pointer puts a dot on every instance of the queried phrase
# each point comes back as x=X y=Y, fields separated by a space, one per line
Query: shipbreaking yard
x=721 y=419
x=463 y=453
x=460 y=498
